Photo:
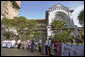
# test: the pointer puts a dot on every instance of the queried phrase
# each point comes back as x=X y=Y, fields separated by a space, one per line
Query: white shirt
x=46 y=43
x=49 y=42
x=40 y=41
x=19 y=41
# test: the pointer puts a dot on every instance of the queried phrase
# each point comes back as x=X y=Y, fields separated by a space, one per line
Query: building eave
x=57 y=4
x=14 y=3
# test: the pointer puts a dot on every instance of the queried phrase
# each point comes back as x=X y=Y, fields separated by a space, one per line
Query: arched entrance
x=62 y=17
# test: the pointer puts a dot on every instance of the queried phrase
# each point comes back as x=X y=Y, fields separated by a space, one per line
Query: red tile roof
x=38 y=19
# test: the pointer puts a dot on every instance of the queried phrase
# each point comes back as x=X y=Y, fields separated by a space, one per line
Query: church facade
x=57 y=12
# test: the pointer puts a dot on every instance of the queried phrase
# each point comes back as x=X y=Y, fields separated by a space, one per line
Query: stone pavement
x=18 y=52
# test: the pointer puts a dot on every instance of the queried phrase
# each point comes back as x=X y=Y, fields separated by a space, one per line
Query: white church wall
x=51 y=18
x=52 y=15
x=69 y=20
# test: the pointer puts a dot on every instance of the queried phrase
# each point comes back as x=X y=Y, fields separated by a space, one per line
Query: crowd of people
x=49 y=46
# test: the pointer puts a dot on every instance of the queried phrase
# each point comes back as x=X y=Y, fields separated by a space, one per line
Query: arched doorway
x=62 y=17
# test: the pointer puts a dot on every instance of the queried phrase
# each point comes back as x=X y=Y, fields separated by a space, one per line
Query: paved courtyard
x=18 y=52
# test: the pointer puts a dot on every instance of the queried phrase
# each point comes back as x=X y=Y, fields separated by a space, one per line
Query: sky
x=36 y=9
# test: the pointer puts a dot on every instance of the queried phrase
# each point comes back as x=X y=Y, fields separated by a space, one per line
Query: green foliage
x=63 y=35
x=31 y=25
x=81 y=17
x=24 y=37
x=57 y=24
x=60 y=33
x=37 y=35
x=20 y=23
x=6 y=23
x=8 y=35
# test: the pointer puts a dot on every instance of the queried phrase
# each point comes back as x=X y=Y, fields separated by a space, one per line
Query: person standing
x=19 y=43
x=13 y=42
x=55 y=46
x=44 y=51
x=46 y=46
x=49 y=45
x=36 y=45
x=39 y=44
x=8 y=44
x=29 y=45
x=59 y=48
x=32 y=45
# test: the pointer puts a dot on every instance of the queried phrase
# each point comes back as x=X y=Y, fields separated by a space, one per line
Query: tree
x=37 y=35
x=20 y=23
x=63 y=35
x=6 y=24
x=31 y=26
x=81 y=18
x=8 y=35
x=58 y=26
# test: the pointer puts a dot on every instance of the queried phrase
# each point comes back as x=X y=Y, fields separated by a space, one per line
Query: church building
x=57 y=12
